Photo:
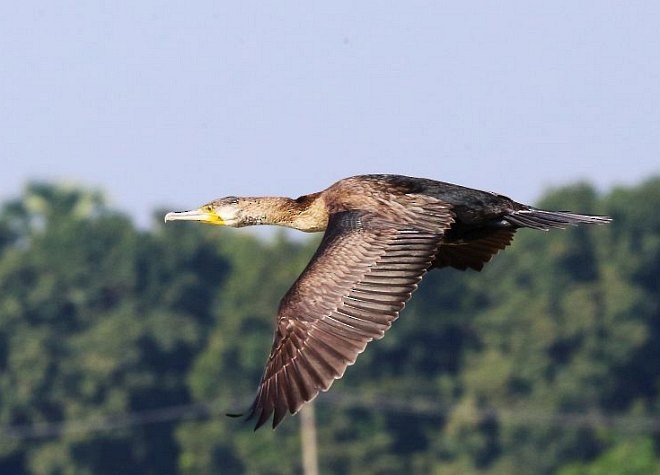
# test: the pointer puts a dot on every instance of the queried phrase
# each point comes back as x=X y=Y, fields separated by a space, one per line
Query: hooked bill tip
x=201 y=215
x=192 y=215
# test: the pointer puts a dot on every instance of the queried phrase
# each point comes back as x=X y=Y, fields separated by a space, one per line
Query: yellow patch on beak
x=205 y=214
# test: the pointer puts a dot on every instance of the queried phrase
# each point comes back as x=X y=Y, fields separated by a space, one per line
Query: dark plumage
x=382 y=234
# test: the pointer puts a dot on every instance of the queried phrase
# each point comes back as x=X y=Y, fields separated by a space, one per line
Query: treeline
x=121 y=349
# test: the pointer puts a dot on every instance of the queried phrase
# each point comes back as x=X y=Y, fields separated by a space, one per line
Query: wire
x=101 y=424
x=411 y=406
x=593 y=418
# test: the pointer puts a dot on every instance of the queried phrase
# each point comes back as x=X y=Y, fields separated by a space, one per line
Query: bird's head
x=229 y=211
x=248 y=211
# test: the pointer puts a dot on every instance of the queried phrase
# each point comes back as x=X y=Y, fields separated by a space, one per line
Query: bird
x=382 y=234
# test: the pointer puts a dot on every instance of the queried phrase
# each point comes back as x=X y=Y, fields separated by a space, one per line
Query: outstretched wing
x=350 y=293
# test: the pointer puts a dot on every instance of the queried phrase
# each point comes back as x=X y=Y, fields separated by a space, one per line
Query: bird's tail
x=546 y=220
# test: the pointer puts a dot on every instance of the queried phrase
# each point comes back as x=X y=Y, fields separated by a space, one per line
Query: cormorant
x=382 y=234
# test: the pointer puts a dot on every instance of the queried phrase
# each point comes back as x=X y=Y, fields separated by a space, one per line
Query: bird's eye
x=230 y=200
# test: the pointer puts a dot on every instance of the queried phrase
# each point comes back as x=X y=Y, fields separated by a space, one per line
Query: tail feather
x=546 y=220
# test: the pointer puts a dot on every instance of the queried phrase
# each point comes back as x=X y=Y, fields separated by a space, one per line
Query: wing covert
x=474 y=253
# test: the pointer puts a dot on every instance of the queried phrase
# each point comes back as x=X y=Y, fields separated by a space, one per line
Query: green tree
x=96 y=321
x=629 y=457
x=532 y=366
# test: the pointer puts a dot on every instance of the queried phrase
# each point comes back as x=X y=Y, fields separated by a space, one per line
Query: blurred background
x=123 y=342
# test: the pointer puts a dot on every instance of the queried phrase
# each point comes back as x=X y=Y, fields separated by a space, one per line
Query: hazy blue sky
x=175 y=103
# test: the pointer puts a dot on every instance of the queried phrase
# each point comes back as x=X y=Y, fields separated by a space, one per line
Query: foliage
x=546 y=362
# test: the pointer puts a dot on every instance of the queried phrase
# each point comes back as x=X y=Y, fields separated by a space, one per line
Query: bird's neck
x=307 y=213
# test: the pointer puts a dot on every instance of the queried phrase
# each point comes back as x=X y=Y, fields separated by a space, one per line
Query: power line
x=524 y=415
x=411 y=406
x=102 y=424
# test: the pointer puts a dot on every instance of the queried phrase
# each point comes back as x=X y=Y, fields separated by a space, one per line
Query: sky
x=169 y=104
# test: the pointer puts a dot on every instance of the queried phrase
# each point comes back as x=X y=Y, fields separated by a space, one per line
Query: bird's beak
x=203 y=215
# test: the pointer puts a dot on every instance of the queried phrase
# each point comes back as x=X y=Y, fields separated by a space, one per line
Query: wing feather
x=475 y=253
x=350 y=293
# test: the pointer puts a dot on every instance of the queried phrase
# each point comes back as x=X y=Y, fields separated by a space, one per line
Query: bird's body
x=382 y=234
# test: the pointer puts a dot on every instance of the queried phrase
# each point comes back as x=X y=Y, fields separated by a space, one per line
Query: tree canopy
x=121 y=349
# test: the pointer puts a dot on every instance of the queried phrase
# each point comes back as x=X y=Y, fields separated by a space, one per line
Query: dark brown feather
x=350 y=293
x=474 y=253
